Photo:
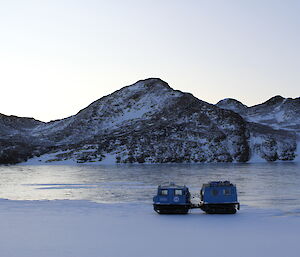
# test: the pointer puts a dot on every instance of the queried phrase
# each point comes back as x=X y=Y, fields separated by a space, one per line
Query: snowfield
x=65 y=228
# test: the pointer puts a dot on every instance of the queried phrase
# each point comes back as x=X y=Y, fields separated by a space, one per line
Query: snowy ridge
x=232 y=104
x=110 y=112
x=274 y=127
x=149 y=122
x=277 y=112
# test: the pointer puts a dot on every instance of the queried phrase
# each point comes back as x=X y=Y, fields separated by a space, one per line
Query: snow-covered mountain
x=16 y=142
x=149 y=122
x=277 y=112
x=276 y=119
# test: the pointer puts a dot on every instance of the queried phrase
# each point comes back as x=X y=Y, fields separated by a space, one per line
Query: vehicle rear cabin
x=219 y=197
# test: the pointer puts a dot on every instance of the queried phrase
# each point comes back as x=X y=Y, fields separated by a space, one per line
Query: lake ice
x=266 y=185
x=106 y=211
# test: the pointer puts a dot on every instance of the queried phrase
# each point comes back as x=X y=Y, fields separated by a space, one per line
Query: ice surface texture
x=80 y=228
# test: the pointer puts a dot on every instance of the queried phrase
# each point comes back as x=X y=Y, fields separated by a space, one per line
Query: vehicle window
x=178 y=192
x=214 y=192
x=164 y=192
x=227 y=191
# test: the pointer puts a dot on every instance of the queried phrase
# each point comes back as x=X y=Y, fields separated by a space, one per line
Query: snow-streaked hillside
x=150 y=122
x=139 y=101
x=275 y=119
x=277 y=112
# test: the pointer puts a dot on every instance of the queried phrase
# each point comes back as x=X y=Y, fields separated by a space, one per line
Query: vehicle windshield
x=178 y=192
x=163 y=192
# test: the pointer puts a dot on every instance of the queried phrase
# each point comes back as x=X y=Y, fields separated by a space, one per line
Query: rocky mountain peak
x=232 y=104
x=14 y=122
x=277 y=112
x=145 y=86
x=152 y=83
x=274 y=100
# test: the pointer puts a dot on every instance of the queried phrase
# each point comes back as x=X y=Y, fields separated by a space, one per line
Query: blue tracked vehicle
x=171 y=199
x=219 y=197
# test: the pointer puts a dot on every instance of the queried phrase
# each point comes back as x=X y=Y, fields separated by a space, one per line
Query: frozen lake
x=119 y=221
x=265 y=185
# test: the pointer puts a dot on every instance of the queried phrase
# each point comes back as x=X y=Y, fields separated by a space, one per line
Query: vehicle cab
x=172 y=198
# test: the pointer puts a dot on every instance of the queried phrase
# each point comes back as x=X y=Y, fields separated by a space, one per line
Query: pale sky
x=58 y=56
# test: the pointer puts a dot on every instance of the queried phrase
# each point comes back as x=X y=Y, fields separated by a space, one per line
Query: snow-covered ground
x=80 y=228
